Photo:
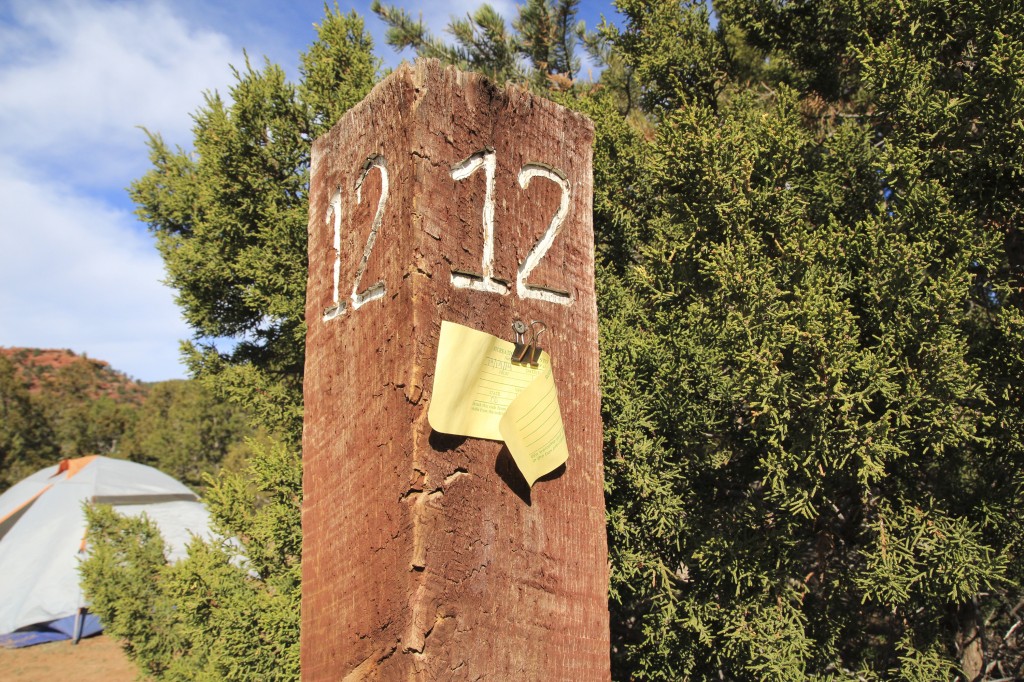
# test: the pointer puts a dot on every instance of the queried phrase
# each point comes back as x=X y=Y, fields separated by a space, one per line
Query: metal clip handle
x=527 y=352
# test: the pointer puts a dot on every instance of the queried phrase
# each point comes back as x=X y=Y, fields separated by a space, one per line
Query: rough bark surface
x=426 y=555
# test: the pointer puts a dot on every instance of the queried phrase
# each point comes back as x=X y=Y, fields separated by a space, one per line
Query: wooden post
x=426 y=555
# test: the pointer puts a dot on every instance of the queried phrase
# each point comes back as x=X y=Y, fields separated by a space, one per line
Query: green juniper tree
x=230 y=220
x=26 y=438
x=184 y=430
x=84 y=418
x=816 y=344
x=482 y=40
x=545 y=35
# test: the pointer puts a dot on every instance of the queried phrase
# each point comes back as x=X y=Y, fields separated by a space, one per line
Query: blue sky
x=77 y=80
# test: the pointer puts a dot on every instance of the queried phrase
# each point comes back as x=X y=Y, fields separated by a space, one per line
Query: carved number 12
x=376 y=290
x=486 y=280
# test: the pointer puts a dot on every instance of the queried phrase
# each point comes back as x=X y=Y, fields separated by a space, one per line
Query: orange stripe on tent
x=25 y=503
x=79 y=463
x=73 y=466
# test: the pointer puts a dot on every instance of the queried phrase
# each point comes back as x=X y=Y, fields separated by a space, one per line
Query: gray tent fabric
x=42 y=538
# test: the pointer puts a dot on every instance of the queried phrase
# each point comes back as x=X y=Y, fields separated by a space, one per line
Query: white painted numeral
x=376 y=290
x=524 y=290
x=485 y=281
x=334 y=210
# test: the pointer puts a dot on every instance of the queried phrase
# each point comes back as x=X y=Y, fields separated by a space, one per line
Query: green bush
x=230 y=610
x=125 y=580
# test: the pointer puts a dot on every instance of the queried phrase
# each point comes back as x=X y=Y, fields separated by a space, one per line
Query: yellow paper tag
x=479 y=392
x=533 y=431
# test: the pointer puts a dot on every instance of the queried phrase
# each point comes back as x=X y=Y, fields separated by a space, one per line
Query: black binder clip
x=527 y=352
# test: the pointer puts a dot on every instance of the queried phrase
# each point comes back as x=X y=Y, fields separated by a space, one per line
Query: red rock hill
x=41 y=368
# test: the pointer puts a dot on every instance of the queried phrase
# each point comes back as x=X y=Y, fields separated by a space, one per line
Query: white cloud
x=76 y=78
x=86 y=74
x=76 y=274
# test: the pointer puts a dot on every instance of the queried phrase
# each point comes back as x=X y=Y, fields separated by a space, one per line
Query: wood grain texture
x=425 y=555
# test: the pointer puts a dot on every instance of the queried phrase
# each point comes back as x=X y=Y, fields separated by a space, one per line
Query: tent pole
x=79 y=617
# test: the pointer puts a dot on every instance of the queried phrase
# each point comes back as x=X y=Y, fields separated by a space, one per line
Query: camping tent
x=42 y=539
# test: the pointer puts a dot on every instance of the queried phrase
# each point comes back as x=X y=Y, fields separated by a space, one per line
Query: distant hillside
x=44 y=369
x=57 y=404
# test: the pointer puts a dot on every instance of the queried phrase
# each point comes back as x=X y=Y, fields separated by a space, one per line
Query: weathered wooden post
x=442 y=197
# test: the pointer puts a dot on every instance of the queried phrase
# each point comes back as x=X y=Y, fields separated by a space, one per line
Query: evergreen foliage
x=482 y=40
x=26 y=439
x=215 y=615
x=87 y=406
x=185 y=431
x=230 y=218
x=125 y=581
x=813 y=461
x=57 y=405
x=811 y=290
x=545 y=35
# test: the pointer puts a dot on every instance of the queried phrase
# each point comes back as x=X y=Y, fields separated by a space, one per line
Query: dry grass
x=96 y=659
